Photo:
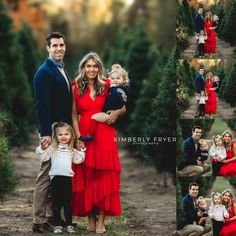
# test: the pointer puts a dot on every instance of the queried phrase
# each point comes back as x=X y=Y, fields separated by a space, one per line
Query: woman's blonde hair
x=81 y=79
x=62 y=125
x=208 y=16
x=228 y=204
x=228 y=146
x=116 y=68
x=209 y=75
x=217 y=137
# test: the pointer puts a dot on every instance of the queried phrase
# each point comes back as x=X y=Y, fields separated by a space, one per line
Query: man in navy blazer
x=193 y=166
x=200 y=86
x=199 y=25
x=189 y=225
x=53 y=97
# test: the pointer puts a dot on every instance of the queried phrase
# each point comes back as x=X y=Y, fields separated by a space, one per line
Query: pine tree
x=230 y=87
x=162 y=121
x=230 y=29
x=21 y=101
x=138 y=64
x=187 y=15
x=232 y=181
x=149 y=91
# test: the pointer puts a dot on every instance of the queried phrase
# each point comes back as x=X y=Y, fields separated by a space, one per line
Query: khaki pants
x=194 y=230
x=42 y=204
x=194 y=170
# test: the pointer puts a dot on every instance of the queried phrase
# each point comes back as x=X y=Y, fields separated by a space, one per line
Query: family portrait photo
x=205 y=89
x=205 y=155
x=205 y=28
x=206 y=206
x=78 y=81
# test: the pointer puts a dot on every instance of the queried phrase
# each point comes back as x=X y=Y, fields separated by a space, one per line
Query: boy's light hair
x=201 y=199
x=203 y=142
x=216 y=17
x=216 y=78
x=116 y=68
x=62 y=125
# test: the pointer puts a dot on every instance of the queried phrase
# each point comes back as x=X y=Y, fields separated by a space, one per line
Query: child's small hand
x=199 y=213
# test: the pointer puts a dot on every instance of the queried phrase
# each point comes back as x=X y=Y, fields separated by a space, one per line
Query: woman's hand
x=79 y=144
x=225 y=161
x=113 y=116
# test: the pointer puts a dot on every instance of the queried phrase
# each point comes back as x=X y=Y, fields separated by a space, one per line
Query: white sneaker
x=70 y=229
x=58 y=230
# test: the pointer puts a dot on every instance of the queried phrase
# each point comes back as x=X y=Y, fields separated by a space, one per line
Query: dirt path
x=224 y=110
x=148 y=208
x=223 y=50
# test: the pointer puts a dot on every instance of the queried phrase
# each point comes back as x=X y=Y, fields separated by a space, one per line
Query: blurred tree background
x=139 y=35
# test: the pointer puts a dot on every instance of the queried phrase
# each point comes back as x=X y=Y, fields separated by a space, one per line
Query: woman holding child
x=96 y=185
x=228 y=167
x=211 y=102
x=229 y=227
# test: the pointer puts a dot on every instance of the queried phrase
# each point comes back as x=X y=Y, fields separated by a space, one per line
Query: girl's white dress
x=219 y=152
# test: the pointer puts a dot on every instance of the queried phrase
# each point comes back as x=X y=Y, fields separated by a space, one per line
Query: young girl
x=217 y=213
x=201 y=211
x=201 y=39
x=117 y=97
x=202 y=103
x=216 y=83
x=202 y=151
x=62 y=154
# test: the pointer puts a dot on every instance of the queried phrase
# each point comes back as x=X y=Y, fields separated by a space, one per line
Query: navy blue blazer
x=189 y=210
x=190 y=151
x=199 y=83
x=199 y=23
x=52 y=96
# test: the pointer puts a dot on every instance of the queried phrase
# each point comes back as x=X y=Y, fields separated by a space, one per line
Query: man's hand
x=199 y=163
x=45 y=141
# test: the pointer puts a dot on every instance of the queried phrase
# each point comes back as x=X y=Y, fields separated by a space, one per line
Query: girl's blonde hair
x=116 y=68
x=217 y=137
x=62 y=125
x=228 y=146
x=215 y=194
x=81 y=79
x=203 y=142
x=228 y=204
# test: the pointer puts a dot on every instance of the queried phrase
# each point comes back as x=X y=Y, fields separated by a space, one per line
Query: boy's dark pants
x=61 y=187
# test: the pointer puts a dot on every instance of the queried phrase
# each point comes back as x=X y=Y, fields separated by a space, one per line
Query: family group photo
x=74 y=81
x=206 y=206
x=205 y=28
x=205 y=89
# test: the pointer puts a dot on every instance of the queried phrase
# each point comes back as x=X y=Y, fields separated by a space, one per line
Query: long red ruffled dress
x=96 y=183
x=229 y=228
x=210 y=44
x=210 y=106
x=229 y=169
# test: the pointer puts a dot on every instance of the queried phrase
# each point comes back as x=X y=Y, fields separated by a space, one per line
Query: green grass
x=218 y=127
x=115 y=226
x=221 y=183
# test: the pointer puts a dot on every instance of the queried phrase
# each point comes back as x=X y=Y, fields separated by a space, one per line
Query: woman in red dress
x=228 y=167
x=210 y=107
x=96 y=183
x=210 y=44
x=229 y=227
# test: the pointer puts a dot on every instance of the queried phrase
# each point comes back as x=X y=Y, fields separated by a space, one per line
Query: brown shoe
x=42 y=228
